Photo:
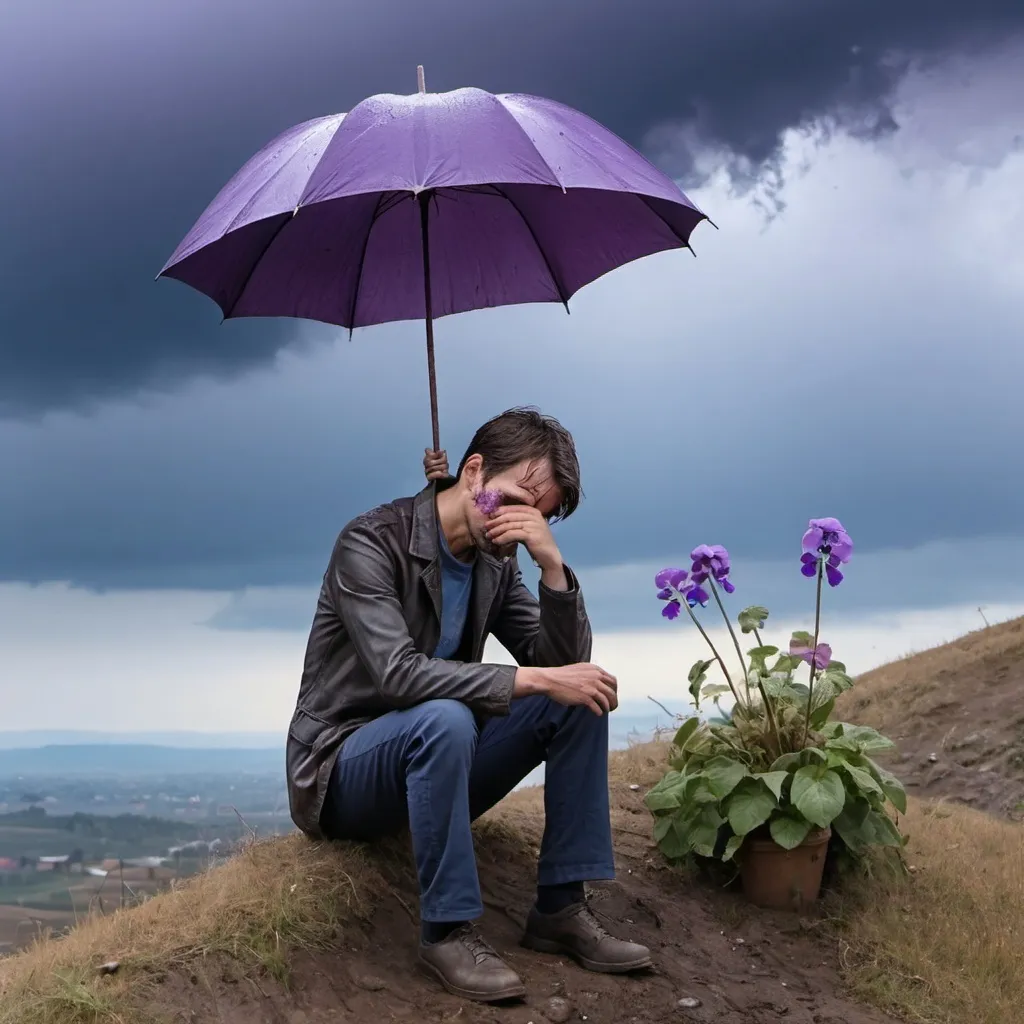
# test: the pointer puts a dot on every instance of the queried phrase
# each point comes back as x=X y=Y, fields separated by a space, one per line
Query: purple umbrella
x=415 y=207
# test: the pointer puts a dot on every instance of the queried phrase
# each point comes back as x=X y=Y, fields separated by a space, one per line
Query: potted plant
x=770 y=780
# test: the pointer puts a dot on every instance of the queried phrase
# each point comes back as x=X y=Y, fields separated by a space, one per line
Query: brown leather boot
x=576 y=932
x=468 y=967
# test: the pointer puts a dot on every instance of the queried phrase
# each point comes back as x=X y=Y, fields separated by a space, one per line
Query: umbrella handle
x=424 y=201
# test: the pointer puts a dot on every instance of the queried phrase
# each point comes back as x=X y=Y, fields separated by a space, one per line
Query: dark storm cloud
x=121 y=120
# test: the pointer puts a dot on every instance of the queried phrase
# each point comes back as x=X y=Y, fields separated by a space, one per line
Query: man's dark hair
x=525 y=434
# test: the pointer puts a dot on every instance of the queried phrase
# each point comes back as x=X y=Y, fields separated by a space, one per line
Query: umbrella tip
x=421 y=81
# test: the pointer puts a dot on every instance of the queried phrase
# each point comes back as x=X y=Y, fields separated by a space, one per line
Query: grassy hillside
x=299 y=931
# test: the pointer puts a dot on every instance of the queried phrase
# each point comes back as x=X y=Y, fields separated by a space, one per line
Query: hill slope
x=957 y=714
x=339 y=925
x=292 y=932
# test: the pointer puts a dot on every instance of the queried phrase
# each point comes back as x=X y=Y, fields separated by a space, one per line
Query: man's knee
x=447 y=722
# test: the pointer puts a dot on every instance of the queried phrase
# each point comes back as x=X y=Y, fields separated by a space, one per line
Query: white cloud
x=72 y=659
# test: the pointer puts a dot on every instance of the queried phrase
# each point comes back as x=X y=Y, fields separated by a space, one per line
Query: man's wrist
x=529 y=682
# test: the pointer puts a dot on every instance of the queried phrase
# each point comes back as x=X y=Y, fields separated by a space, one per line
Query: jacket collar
x=423 y=536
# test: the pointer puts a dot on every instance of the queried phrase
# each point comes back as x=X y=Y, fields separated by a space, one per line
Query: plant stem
x=714 y=650
x=732 y=633
x=768 y=707
x=663 y=708
x=814 y=649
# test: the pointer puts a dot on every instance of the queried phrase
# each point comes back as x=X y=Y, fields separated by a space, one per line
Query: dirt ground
x=972 y=750
x=725 y=961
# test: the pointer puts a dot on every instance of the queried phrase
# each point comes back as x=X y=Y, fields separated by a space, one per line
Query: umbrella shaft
x=424 y=201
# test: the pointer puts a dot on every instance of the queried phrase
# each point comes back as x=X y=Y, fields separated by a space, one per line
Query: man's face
x=528 y=483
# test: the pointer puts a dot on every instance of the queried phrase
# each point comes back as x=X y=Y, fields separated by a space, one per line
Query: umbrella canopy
x=416 y=207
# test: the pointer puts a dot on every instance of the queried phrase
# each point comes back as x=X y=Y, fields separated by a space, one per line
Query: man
x=399 y=723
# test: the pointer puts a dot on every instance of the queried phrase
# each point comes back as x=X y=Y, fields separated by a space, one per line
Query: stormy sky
x=847 y=343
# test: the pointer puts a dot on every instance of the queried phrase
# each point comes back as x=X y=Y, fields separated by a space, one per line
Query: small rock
x=558 y=1010
x=635 y=787
x=370 y=982
x=109 y=968
x=932 y=758
x=688 y=1003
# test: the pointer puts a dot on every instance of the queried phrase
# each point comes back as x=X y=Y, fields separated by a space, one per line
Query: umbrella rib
x=256 y=262
x=685 y=242
x=563 y=298
x=362 y=262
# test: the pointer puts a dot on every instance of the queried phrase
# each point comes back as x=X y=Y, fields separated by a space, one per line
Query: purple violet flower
x=825 y=540
x=674 y=587
x=711 y=560
x=820 y=656
x=489 y=502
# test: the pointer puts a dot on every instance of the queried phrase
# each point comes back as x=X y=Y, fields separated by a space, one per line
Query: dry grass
x=275 y=897
x=944 y=946
x=892 y=697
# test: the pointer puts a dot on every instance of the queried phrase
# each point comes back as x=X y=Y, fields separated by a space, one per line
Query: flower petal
x=670 y=578
x=842 y=547
x=834 y=576
x=671 y=610
x=697 y=595
x=813 y=539
x=822 y=656
x=727 y=585
x=809 y=569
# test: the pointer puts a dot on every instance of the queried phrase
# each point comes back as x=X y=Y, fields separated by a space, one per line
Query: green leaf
x=801 y=638
x=698 y=669
x=752 y=618
x=824 y=691
x=662 y=800
x=675 y=844
x=703 y=833
x=819 y=716
x=868 y=740
x=723 y=775
x=735 y=842
x=785 y=762
x=818 y=794
x=774 y=780
x=863 y=780
x=759 y=658
x=836 y=675
x=884 y=830
x=785 y=664
x=662 y=826
x=686 y=730
x=789 y=831
x=698 y=673
x=750 y=806
x=712 y=690
x=891 y=786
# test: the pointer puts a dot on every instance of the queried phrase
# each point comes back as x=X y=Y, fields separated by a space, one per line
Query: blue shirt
x=456 y=587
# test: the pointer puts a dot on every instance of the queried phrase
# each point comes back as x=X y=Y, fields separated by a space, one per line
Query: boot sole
x=509 y=992
x=560 y=949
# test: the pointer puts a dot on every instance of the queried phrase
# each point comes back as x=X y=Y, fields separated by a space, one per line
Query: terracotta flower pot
x=779 y=879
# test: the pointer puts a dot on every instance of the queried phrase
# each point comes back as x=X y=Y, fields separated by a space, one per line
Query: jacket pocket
x=306 y=728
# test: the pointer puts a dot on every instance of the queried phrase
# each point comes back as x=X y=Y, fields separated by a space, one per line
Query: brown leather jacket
x=377 y=623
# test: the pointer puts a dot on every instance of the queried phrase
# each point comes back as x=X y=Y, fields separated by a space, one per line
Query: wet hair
x=522 y=435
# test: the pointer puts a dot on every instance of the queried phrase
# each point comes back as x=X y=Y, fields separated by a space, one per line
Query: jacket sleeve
x=549 y=632
x=361 y=584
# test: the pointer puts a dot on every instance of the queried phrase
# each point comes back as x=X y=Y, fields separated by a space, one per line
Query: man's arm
x=361 y=585
x=552 y=631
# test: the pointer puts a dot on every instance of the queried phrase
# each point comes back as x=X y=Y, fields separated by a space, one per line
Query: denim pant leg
x=413 y=766
x=577 y=844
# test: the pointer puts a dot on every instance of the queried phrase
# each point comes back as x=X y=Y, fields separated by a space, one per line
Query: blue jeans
x=433 y=768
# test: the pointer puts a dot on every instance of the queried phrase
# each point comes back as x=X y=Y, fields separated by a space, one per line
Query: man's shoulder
x=392 y=518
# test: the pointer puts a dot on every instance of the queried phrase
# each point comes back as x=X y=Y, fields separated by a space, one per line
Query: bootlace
x=590 y=918
x=476 y=944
